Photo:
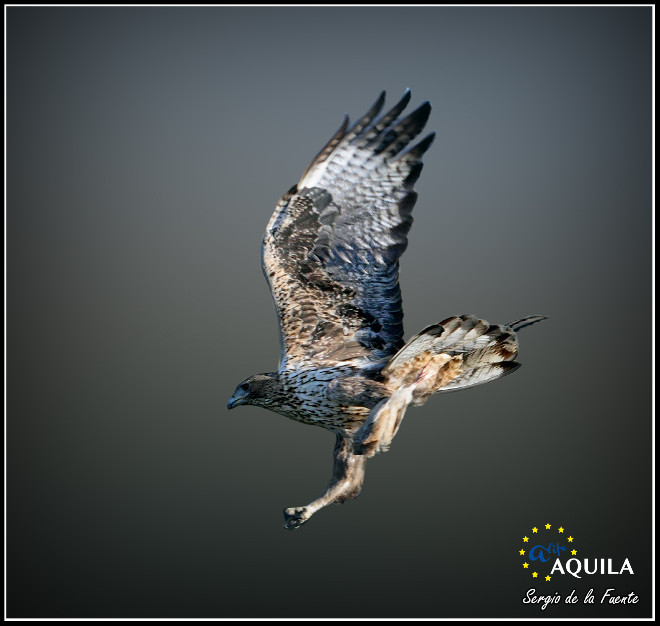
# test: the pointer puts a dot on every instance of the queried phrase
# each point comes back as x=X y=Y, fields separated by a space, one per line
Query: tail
x=526 y=321
x=458 y=353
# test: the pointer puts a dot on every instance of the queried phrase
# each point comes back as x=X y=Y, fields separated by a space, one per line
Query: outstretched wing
x=332 y=247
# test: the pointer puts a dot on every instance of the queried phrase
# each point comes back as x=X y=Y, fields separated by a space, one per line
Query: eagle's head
x=260 y=389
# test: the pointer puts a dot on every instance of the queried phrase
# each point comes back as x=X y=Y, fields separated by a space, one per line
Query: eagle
x=331 y=258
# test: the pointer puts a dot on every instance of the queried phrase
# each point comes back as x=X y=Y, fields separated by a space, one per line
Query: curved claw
x=295 y=517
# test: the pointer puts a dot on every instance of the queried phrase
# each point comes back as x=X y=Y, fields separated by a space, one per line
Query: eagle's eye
x=244 y=387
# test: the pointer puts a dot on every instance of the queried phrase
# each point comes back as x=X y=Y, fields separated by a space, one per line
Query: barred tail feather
x=526 y=321
x=480 y=376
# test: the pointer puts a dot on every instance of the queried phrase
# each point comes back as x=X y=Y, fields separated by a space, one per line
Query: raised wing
x=332 y=247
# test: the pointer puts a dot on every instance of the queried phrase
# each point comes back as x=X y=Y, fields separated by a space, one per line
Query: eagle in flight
x=331 y=258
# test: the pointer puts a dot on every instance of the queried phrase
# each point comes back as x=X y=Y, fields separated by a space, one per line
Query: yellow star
x=573 y=552
x=522 y=552
x=547 y=526
x=525 y=539
x=535 y=574
x=525 y=565
x=561 y=529
x=570 y=538
x=535 y=529
x=547 y=577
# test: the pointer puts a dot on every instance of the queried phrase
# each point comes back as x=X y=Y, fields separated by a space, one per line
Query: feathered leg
x=345 y=484
x=376 y=434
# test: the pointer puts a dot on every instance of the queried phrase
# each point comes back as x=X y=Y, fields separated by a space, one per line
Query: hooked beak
x=236 y=399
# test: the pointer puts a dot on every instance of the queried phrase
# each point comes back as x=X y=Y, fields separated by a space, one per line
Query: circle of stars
x=523 y=551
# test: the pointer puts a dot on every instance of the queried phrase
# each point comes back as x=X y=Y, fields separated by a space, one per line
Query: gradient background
x=146 y=151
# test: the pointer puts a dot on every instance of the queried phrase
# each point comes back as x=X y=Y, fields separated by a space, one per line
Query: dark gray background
x=146 y=151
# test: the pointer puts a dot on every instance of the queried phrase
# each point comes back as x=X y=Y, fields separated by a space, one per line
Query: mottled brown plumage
x=331 y=257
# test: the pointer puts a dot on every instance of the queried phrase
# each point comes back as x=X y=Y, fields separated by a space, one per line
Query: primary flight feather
x=331 y=257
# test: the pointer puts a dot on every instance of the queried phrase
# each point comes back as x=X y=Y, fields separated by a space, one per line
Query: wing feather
x=332 y=247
